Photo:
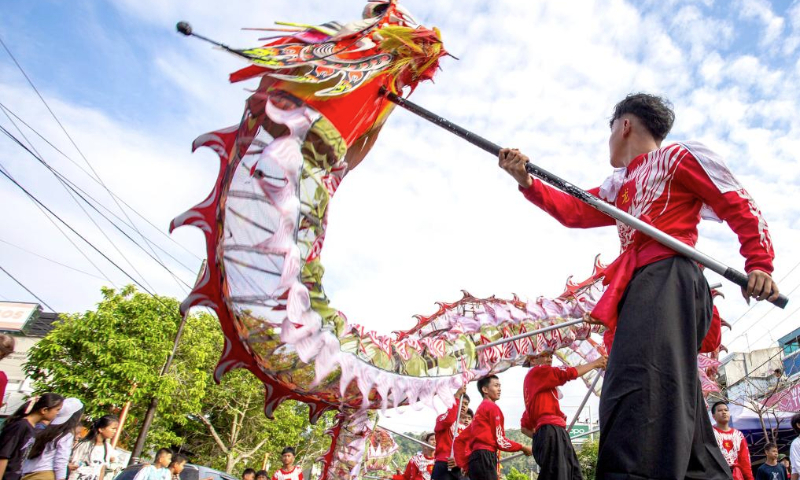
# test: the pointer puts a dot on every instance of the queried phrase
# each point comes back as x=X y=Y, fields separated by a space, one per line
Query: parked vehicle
x=190 y=472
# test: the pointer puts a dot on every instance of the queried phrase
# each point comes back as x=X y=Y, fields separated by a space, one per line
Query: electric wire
x=26 y=288
x=63 y=233
x=35 y=199
x=91 y=219
x=49 y=259
x=72 y=191
x=88 y=174
x=80 y=152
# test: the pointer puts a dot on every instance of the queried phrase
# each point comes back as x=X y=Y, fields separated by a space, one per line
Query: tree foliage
x=115 y=354
x=514 y=474
x=236 y=434
x=98 y=356
x=587 y=457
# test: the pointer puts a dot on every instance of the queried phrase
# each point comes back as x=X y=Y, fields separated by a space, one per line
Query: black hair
x=101 y=422
x=287 y=450
x=770 y=446
x=162 y=451
x=465 y=398
x=47 y=400
x=248 y=471
x=262 y=473
x=717 y=404
x=484 y=382
x=178 y=458
x=655 y=113
x=427 y=435
x=796 y=423
x=54 y=433
x=7 y=344
x=470 y=413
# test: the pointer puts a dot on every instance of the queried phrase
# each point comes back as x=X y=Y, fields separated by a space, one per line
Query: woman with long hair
x=94 y=454
x=49 y=451
x=20 y=428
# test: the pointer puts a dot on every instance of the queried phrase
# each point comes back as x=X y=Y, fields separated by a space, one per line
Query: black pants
x=482 y=465
x=653 y=420
x=553 y=452
x=441 y=472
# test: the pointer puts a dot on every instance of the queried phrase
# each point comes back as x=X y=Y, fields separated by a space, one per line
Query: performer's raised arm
x=568 y=210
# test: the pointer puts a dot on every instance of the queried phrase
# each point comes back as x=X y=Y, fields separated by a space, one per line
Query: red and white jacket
x=444 y=432
x=540 y=390
x=296 y=473
x=419 y=467
x=734 y=449
x=670 y=188
x=487 y=430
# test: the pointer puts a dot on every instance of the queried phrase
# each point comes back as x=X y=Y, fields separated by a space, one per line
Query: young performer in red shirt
x=657 y=305
x=731 y=443
x=543 y=419
x=486 y=435
x=445 y=467
x=420 y=466
x=288 y=470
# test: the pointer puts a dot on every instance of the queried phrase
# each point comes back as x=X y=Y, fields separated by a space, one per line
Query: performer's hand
x=461 y=391
x=527 y=450
x=513 y=162
x=601 y=362
x=451 y=463
x=760 y=286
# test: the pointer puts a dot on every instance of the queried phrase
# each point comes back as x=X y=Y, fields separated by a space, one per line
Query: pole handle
x=741 y=279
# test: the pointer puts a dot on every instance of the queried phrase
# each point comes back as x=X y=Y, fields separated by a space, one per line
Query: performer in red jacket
x=445 y=467
x=485 y=435
x=657 y=305
x=420 y=466
x=543 y=419
x=731 y=443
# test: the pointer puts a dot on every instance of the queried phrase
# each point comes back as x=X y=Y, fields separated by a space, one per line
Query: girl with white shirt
x=93 y=455
x=50 y=450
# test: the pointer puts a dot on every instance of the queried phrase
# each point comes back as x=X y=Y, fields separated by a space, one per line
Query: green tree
x=587 y=457
x=115 y=354
x=514 y=474
x=232 y=428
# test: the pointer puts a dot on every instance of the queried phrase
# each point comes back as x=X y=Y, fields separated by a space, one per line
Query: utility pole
x=151 y=410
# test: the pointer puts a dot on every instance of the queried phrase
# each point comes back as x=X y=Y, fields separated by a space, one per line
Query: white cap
x=68 y=409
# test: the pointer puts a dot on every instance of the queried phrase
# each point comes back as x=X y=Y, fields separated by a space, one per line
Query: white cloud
x=761 y=11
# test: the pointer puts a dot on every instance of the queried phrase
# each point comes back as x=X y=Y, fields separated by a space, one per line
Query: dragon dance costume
x=658 y=308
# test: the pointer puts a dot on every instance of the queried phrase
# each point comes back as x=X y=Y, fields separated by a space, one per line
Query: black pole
x=151 y=410
x=731 y=274
x=138 y=447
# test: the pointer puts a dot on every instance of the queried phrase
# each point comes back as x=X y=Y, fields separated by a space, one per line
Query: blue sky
x=541 y=76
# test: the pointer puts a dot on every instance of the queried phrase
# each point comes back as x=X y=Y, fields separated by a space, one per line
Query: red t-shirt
x=487 y=431
x=296 y=473
x=540 y=390
x=419 y=467
x=443 y=430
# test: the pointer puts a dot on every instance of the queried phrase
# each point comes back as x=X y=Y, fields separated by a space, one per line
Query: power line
x=33 y=197
x=49 y=259
x=61 y=176
x=158 y=229
x=26 y=288
x=72 y=191
x=80 y=152
x=757 y=303
x=770 y=310
x=62 y=232
x=91 y=219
